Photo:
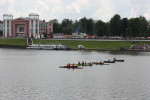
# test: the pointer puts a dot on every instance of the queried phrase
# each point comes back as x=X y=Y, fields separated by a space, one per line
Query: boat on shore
x=74 y=67
x=48 y=47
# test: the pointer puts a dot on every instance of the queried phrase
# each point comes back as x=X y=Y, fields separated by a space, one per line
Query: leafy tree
x=68 y=29
x=99 y=28
x=124 y=27
x=56 y=26
x=115 y=25
x=77 y=26
x=84 y=24
x=147 y=33
x=66 y=22
x=134 y=27
x=144 y=25
x=89 y=27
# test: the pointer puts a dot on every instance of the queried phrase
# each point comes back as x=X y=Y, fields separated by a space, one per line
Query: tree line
x=134 y=27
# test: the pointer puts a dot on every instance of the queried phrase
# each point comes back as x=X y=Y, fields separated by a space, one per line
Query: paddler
x=114 y=59
x=82 y=63
x=90 y=64
x=100 y=61
x=69 y=65
x=73 y=65
x=79 y=63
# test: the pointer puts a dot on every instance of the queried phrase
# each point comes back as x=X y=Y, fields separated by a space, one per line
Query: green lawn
x=22 y=42
x=75 y=43
x=93 y=44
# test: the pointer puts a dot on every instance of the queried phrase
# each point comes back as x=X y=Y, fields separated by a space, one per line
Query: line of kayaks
x=76 y=66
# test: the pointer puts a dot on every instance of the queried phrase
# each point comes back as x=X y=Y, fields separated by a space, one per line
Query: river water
x=35 y=75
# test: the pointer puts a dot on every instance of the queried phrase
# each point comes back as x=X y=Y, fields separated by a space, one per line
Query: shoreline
x=12 y=46
x=24 y=47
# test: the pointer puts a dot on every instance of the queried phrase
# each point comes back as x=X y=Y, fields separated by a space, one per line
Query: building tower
x=7 y=19
x=34 y=25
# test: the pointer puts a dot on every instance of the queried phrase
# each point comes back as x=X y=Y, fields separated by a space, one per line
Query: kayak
x=97 y=63
x=74 y=67
x=109 y=61
x=81 y=64
x=119 y=60
x=101 y=64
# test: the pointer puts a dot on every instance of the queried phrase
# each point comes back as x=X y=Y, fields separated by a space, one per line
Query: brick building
x=25 y=27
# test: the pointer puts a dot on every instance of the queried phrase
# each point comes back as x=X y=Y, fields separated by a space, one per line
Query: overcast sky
x=75 y=9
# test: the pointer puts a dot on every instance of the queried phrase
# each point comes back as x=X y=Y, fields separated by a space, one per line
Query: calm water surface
x=35 y=75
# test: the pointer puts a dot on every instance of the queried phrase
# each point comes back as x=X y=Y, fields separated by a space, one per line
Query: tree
x=77 y=26
x=68 y=29
x=124 y=27
x=89 y=26
x=99 y=28
x=56 y=26
x=84 y=24
x=147 y=33
x=67 y=26
x=134 y=27
x=66 y=22
x=144 y=25
x=115 y=25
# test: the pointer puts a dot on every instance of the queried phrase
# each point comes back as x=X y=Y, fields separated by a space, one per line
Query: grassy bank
x=75 y=43
x=93 y=44
x=22 y=42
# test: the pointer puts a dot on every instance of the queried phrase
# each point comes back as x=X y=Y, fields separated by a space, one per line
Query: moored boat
x=48 y=47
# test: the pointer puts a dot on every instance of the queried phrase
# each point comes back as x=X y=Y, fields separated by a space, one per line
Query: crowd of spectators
x=140 y=47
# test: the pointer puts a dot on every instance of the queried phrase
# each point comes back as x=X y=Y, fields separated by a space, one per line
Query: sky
x=76 y=9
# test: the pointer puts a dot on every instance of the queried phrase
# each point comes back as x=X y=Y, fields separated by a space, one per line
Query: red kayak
x=74 y=67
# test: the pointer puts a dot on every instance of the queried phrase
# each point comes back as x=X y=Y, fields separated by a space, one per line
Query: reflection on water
x=35 y=75
x=132 y=53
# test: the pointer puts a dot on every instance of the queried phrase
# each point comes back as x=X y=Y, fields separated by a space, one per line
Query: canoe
x=109 y=61
x=119 y=60
x=101 y=64
x=74 y=67
x=97 y=63
x=81 y=65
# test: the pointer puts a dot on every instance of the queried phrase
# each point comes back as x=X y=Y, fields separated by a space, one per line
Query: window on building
x=7 y=30
x=7 y=25
x=36 y=31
